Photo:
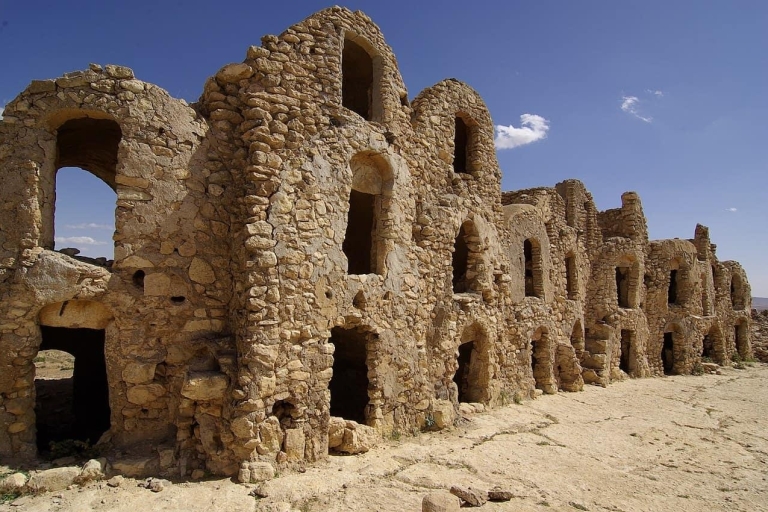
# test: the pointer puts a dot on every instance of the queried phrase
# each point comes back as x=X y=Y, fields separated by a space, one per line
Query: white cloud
x=2 y=111
x=81 y=240
x=532 y=128
x=630 y=104
x=731 y=209
x=656 y=92
x=90 y=225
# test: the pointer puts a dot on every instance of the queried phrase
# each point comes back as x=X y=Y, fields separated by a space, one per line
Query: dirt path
x=677 y=443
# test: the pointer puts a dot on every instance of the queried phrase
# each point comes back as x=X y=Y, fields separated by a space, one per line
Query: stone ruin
x=306 y=260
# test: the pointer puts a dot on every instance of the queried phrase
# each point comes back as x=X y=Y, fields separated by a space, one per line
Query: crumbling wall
x=305 y=260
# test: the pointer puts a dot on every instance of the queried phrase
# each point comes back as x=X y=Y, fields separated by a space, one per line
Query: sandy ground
x=666 y=444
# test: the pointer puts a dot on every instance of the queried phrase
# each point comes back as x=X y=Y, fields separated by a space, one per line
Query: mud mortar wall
x=268 y=232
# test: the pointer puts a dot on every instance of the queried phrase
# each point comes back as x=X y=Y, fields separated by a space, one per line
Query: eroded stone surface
x=306 y=243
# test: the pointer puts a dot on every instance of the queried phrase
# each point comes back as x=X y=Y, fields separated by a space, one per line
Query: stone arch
x=534 y=268
x=713 y=345
x=672 y=349
x=541 y=359
x=361 y=77
x=467 y=259
x=75 y=406
x=674 y=281
x=627 y=281
x=737 y=291
x=365 y=239
x=464 y=143
x=473 y=365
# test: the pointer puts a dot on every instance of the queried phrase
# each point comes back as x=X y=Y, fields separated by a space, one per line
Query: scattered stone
x=116 y=481
x=497 y=494
x=155 y=484
x=92 y=470
x=254 y=472
x=57 y=479
x=470 y=496
x=259 y=492
x=440 y=501
x=13 y=484
x=197 y=474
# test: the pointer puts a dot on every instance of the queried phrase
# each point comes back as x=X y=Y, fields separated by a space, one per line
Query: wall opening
x=357 y=79
x=349 y=383
x=622 y=286
x=365 y=238
x=668 y=353
x=358 y=240
x=571 y=283
x=707 y=349
x=706 y=307
x=672 y=290
x=627 y=349
x=541 y=361
x=460 y=146
x=534 y=279
x=462 y=375
x=460 y=262
x=89 y=145
x=737 y=292
x=72 y=392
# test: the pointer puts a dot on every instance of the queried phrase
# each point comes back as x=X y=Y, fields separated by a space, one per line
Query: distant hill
x=759 y=303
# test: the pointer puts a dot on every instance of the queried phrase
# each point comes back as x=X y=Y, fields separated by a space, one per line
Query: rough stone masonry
x=306 y=260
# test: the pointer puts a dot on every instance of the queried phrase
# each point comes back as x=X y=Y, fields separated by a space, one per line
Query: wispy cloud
x=90 y=225
x=731 y=209
x=631 y=105
x=657 y=93
x=2 y=111
x=532 y=128
x=78 y=240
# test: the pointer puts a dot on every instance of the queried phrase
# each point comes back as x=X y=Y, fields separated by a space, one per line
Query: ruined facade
x=306 y=250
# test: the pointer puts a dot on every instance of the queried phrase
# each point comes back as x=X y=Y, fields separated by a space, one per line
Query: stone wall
x=305 y=260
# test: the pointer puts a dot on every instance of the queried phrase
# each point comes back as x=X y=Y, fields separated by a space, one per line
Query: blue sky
x=664 y=98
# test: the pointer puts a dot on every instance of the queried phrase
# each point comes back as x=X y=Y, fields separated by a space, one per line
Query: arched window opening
x=672 y=290
x=541 y=361
x=357 y=79
x=707 y=349
x=461 y=146
x=706 y=305
x=460 y=262
x=349 y=383
x=668 y=353
x=622 y=286
x=84 y=210
x=571 y=282
x=534 y=286
x=71 y=387
x=737 y=292
x=627 y=351
x=365 y=241
x=472 y=373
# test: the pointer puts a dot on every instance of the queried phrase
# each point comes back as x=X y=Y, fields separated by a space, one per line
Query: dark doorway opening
x=349 y=383
x=357 y=79
x=625 y=358
x=541 y=362
x=672 y=290
x=462 y=375
x=460 y=262
x=460 y=141
x=358 y=240
x=622 y=286
x=76 y=407
x=668 y=353
x=740 y=339
x=707 y=350
x=534 y=286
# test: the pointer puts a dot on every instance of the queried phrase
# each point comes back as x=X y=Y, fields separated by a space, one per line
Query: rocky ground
x=676 y=443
